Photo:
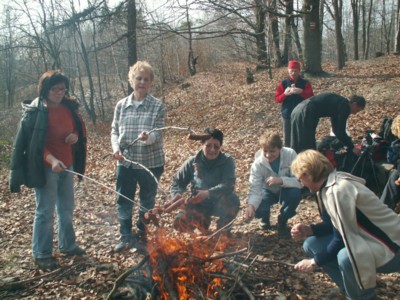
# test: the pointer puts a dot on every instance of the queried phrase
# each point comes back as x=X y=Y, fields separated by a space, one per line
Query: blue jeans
x=289 y=198
x=127 y=181
x=58 y=193
x=341 y=271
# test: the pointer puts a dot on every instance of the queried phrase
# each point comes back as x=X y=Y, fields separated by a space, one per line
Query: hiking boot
x=283 y=229
x=284 y=232
x=48 y=263
x=141 y=235
x=77 y=251
x=124 y=245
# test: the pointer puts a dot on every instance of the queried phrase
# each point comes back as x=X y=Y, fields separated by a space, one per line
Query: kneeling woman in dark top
x=211 y=175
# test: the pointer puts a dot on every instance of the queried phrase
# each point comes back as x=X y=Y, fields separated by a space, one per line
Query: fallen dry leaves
x=220 y=98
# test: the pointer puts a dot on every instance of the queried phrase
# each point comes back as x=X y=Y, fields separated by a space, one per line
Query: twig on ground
x=21 y=283
x=124 y=275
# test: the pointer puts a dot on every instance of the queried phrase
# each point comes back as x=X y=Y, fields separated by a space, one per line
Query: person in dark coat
x=50 y=141
x=306 y=115
x=289 y=93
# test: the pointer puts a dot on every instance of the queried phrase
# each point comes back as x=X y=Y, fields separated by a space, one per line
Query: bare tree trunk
x=288 y=28
x=9 y=60
x=312 y=37
x=82 y=93
x=340 y=45
x=275 y=35
x=364 y=27
x=260 y=13
x=132 y=45
x=192 y=61
x=355 y=11
x=386 y=28
x=297 y=40
x=367 y=31
x=99 y=101
x=91 y=109
x=52 y=39
x=397 y=43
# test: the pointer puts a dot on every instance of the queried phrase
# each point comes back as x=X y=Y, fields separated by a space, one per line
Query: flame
x=182 y=267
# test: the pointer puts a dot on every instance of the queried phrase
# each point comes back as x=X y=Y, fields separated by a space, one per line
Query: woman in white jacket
x=271 y=181
x=369 y=230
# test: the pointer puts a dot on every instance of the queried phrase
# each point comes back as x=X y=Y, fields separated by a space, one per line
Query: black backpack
x=385 y=131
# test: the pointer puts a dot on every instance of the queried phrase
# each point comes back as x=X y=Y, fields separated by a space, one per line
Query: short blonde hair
x=140 y=66
x=270 y=140
x=396 y=126
x=312 y=163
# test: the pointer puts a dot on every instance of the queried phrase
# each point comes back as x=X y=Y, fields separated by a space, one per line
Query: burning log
x=124 y=275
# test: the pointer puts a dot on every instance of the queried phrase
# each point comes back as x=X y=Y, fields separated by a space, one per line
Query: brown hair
x=49 y=79
x=270 y=140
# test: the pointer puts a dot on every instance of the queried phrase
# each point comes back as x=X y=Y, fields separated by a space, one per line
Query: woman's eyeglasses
x=58 y=90
x=211 y=146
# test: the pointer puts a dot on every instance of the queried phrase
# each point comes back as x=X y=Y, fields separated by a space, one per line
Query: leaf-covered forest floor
x=222 y=99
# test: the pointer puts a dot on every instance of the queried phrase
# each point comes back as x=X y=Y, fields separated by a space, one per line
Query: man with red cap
x=289 y=93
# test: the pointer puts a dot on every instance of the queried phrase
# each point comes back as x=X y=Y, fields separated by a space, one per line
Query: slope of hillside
x=224 y=100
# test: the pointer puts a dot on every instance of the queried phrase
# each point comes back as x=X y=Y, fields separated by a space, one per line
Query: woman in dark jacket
x=51 y=138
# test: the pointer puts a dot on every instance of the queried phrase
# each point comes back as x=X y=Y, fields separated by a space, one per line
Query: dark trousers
x=286 y=127
x=127 y=181
x=303 y=128
x=391 y=192
x=289 y=198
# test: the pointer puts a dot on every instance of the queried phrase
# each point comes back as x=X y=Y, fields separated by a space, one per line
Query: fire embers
x=185 y=270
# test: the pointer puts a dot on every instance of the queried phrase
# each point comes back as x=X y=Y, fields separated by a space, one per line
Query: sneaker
x=77 y=251
x=48 y=263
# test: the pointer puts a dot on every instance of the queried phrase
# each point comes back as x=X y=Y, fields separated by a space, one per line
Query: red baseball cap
x=294 y=64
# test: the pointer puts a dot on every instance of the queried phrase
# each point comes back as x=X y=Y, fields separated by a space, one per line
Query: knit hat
x=293 y=64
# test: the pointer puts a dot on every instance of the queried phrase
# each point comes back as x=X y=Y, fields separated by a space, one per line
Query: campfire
x=186 y=265
x=187 y=269
x=182 y=267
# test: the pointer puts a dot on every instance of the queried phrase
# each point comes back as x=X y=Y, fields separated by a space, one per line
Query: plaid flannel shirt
x=129 y=121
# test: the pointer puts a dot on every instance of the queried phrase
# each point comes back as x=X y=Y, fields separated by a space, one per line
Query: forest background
x=205 y=55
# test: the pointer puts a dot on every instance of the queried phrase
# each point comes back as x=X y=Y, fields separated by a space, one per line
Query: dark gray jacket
x=27 y=165
x=217 y=176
